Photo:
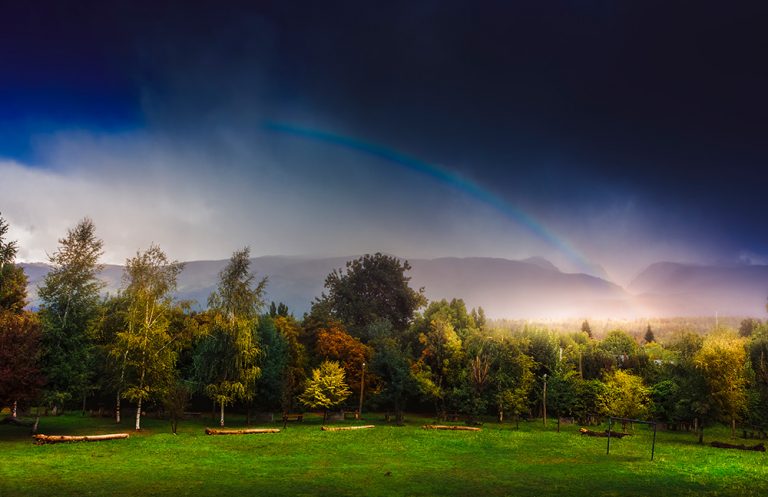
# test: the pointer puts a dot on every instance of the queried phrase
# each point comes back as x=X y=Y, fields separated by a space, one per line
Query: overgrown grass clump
x=388 y=460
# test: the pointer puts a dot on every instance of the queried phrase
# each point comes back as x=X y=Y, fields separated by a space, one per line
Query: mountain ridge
x=531 y=288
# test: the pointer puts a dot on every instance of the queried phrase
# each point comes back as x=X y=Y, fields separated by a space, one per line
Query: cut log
x=246 y=431
x=451 y=427
x=614 y=434
x=722 y=445
x=54 y=439
x=344 y=428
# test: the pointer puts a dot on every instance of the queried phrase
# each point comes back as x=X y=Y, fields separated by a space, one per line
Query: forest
x=369 y=342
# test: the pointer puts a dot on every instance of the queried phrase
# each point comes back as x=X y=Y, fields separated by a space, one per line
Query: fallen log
x=614 y=434
x=54 y=439
x=722 y=445
x=246 y=431
x=344 y=428
x=450 y=427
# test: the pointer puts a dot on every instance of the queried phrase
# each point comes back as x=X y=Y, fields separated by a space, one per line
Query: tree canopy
x=373 y=288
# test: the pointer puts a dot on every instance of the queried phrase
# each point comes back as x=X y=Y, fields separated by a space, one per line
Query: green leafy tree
x=391 y=364
x=373 y=288
x=326 y=389
x=13 y=281
x=175 y=402
x=441 y=363
x=70 y=304
x=625 y=395
x=295 y=372
x=227 y=362
x=624 y=350
x=110 y=362
x=595 y=361
x=147 y=345
x=513 y=378
x=588 y=400
x=722 y=361
x=758 y=394
x=275 y=361
x=680 y=393
x=20 y=377
x=562 y=391
x=749 y=326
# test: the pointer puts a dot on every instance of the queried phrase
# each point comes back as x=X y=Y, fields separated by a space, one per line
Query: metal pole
x=653 y=445
x=362 y=385
x=545 y=399
x=608 y=448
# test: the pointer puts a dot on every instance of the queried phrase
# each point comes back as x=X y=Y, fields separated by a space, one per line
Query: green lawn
x=388 y=460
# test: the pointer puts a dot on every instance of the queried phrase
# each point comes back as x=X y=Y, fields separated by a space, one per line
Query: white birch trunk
x=15 y=407
x=138 y=416
x=117 y=408
x=221 y=420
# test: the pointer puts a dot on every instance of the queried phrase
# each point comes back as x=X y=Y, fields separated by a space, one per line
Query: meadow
x=302 y=460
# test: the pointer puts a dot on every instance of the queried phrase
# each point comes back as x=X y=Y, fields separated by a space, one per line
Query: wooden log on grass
x=722 y=445
x=614 y=434
x=344 y=428
x=55 y=439
x=246 y=431
x=450 y=427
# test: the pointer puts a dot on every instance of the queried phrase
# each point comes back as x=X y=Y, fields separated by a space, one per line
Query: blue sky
x=625 y=132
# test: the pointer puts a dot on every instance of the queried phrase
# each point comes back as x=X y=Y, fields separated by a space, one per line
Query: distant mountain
x=533 y=288
x=519 y=289
x=678 y=289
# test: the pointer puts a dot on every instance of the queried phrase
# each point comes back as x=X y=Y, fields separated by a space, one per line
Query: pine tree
x=649 y=337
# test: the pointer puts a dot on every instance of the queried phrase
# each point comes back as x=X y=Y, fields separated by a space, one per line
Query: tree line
x=369 y=336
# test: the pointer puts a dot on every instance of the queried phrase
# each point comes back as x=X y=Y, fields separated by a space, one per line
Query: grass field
x=388 y=460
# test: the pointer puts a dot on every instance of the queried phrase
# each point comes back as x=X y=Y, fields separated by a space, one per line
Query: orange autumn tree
x=335 y=344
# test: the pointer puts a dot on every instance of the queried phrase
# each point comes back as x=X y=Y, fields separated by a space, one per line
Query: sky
x=602 y=135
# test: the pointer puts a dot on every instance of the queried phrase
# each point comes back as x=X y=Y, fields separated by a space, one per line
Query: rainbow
x=445 y=176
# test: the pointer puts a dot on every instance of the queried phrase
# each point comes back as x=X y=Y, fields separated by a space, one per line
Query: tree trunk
x=345 y=428
x=117 y=408
x=138 y=416
x=701 y=434
x=52 y=439
x=84 y=398
x=450 y=427
x=558 y=424
x=221 y=418
x=248 y=431
x=14 y=408
x=733 y=427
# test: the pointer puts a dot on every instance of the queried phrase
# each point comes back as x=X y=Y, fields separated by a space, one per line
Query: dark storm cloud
x=619 y=125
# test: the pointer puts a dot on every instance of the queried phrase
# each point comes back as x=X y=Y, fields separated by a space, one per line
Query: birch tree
x=227 y=359
x=147 y=346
